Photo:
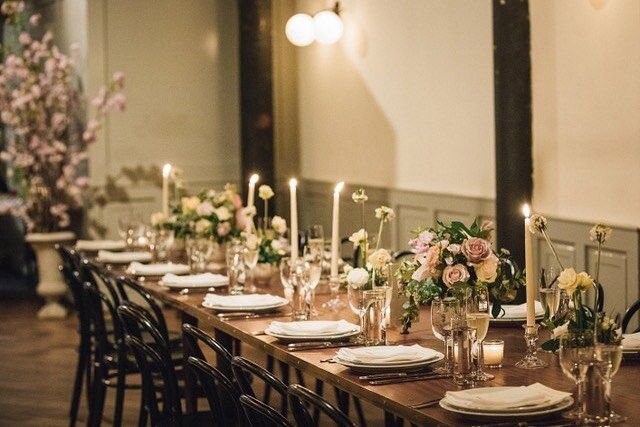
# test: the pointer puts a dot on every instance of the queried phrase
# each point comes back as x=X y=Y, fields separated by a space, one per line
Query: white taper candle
x=335 y=231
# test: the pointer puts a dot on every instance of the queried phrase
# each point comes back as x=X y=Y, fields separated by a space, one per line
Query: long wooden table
x=396 y=398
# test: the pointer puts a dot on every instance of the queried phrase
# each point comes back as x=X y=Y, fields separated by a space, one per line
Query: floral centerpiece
x=454 y=259
x=578 y=317
x=213 y=214
x=373 y=270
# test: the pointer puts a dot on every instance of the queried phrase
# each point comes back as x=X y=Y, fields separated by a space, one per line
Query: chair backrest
x=244 y=368
x=401 y=255
x=628 y=315
x=300 y=396
x=220 y=392
x=355 y=258
x=194 y=335
x=70 y=272
x=126 y=287
x=261 y=414
x=157 y=375
x=97 y=304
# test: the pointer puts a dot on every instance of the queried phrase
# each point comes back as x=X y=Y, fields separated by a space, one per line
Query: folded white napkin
x=386 y=354
x=96 y=245
x=312 y=327
x=520 y=311
x=513 y=397
x=250 y=300
x=205 y=279
x=107 y=256
x=157 y=269
x=631 y=341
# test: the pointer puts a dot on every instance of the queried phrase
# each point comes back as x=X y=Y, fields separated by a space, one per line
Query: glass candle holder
x=493 y=353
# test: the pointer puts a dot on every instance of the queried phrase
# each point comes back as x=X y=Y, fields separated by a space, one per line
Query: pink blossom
x=428 y=262
x=93 y=125
x=118 y=78
x=421 y=243
x=236 y=200
x=35 y=19
x=24 y=38
x=204 y=208
x=58 y=121
x=88 y=136
x=48 y=36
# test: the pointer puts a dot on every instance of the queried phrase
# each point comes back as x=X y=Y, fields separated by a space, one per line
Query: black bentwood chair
x=300 y=396
x=69 y=268
x=260 y=414
x=161 y=390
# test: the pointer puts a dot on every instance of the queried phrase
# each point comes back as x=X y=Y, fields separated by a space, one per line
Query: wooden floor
x=37 y=362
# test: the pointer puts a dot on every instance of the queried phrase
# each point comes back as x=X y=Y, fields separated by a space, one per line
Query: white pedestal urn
x=51 y=285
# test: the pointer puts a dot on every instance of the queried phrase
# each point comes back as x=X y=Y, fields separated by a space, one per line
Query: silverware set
x=242 y=315
x=316 y=345
x=409 y=377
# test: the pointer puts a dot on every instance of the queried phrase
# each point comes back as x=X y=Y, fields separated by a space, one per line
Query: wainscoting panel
x=620 y=260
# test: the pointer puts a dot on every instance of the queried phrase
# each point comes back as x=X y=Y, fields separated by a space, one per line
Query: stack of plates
x=249 y=303
x=205 y=280
x=394 y=358
x=532 y=400
x=158 y=269
x=518 y=313
x=312 y=330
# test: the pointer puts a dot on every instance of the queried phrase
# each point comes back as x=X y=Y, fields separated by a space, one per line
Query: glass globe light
x=328 y=27
x=299 y=29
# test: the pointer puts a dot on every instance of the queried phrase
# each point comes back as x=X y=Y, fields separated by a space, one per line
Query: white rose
x=560 y=330
x=202 y=226
x=571 y=281
x=358 y=277
x=223 y=213
x=190 y=204
x=204 y=208
x=454 y=248
x=157 y=219
x=358 y=238
x=379 y=259
x=487 y=271
x=279 y=224
x=277 y=244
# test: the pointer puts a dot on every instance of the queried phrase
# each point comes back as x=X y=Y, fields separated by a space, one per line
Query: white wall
x=404 y=100
x=586 y=109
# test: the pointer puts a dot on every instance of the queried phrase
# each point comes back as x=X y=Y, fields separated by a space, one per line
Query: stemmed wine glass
x=356 y=303
x=312 y=270
x=443 y=310
x=608 y=357
x=576 y=352
x=478 y=317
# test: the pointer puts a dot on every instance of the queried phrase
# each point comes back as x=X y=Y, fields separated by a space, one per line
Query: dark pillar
x=512 y=80
x=256 y=92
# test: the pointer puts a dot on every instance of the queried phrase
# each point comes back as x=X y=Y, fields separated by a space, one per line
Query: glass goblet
x=576 y=353
x=312 y=270
x=478 y=317
x=443 y=311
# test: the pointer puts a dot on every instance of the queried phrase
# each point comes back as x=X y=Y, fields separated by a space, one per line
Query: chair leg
x=343 y=400
x=142 y=416
x=77 y=385
x=300 y=377
x=359 y=411
x=271 y=366
x=120 y=388
x=284 y=369
x=99 y=392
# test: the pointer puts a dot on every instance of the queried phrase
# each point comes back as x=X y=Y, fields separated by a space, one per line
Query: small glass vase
x=198 y=252
x=375 y=316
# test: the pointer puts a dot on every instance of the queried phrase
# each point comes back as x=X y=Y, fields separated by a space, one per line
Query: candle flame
x=254 y=178
x=526 y=210
x=293 y=182
x=166 y=169
x=338 y=188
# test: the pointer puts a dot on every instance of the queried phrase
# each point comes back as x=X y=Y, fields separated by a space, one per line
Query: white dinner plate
x=393 y=367
x=247 y=308
x=528 y=412
x=512 y=319
x=318 y=337
x=516 y=410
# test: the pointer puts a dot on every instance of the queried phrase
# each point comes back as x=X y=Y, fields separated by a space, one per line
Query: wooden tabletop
x=397 y=398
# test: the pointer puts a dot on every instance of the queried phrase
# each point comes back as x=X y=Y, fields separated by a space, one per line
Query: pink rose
x=241 y=219
x=428 y=262
x=236 y=200
x=476 y=250
x=421 y=243
x=223 y=229
x=455 y=273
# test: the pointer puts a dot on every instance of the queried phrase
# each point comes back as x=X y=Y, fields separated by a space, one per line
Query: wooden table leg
x=190 y=380
x=226 y=341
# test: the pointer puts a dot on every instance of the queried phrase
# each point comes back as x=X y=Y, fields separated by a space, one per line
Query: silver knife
x=249 y=315
x=408 y=379
x=390 y=375
x=314 y=345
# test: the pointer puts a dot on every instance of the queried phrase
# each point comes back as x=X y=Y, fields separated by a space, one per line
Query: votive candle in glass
x=493 y=353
